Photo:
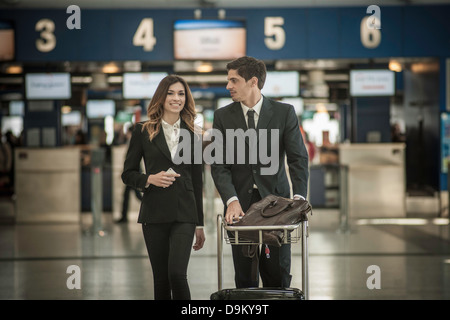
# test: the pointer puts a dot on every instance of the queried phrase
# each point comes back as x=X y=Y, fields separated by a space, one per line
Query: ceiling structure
x=334 y=70
x=205 y=3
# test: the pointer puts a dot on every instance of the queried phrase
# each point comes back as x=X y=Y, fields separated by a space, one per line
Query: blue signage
x=294 y=33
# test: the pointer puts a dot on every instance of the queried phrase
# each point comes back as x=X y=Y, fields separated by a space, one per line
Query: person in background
x=396 y=133
x=5 y=162
x=309 y=145
x=80 y=137
x=13 y=143
x=128 y=189
x=171 y=211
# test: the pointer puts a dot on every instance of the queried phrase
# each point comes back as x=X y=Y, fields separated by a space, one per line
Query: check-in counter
x=376 y=179
x=47 y=184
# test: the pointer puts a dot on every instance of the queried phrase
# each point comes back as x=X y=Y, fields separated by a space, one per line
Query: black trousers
x=169 y=248
x=274 y=270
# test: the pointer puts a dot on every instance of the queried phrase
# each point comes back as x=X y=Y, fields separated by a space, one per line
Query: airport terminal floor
x=412 y=260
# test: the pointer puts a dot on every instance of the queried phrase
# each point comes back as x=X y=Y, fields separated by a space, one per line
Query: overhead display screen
x=282 y=84
x=209 y=39
x=16 y=108
x=141 y=85
x=96 y=109
x=7 y=47
x=364 y=83
x=55 y=86
x=72 y=118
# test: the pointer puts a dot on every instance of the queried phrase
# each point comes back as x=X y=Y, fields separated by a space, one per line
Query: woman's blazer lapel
x=160 y=142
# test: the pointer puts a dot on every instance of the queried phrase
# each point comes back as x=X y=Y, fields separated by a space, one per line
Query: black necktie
x=251 y=119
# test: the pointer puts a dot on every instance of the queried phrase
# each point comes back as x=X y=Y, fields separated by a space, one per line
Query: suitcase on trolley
x=259 y=294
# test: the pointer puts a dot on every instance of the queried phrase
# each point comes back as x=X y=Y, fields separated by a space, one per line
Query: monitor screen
x=223 y=102
x=7 y=40
x=100 y=108
x=72 y=118
x=364 y=83
x=209 y=39
x=54 y=86
x=16 y=108
x=282 y=84
x=141 y=85
x=297 y=103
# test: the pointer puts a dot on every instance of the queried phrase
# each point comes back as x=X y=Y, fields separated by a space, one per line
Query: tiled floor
x=413 y=260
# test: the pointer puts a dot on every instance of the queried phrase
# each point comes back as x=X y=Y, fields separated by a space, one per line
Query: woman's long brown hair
x=155 y=110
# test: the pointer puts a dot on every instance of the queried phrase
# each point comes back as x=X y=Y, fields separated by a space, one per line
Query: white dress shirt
x=256 y=108
x=172 y=135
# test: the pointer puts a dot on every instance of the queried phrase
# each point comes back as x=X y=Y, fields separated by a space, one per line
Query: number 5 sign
x=275 y=37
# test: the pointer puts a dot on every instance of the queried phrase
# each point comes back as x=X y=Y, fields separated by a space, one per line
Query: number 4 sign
x=144 y=35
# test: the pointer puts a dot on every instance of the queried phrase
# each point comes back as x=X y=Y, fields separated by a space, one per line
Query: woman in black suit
x=171 y=210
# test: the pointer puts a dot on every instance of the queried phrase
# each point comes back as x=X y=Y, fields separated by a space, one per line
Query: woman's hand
x=162 y=179
x=199 y=239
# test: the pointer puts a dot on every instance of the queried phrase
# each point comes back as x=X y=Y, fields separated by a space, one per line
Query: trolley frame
x=301 y=227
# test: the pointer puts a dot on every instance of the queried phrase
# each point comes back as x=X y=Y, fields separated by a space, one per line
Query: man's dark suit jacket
x=182 y=201
x=238 y=179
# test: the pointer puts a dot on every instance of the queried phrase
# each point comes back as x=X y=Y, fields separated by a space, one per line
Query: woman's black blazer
x=182 y=201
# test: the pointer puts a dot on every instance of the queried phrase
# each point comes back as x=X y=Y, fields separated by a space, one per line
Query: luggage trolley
x=292 y=234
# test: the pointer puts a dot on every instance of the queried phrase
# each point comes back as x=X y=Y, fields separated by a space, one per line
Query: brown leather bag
x=273 y=211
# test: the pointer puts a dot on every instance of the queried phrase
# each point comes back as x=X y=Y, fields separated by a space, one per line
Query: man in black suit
x=241 y=184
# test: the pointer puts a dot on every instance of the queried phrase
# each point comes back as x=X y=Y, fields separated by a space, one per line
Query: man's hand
x=234 y=211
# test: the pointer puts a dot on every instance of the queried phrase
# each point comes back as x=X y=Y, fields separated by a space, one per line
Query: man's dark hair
x=249 y=67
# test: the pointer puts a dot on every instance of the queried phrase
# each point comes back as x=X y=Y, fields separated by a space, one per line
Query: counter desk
x=47 y=184
x=376 y=179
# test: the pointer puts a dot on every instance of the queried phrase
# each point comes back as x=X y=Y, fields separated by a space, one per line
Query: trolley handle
x=286 y=229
